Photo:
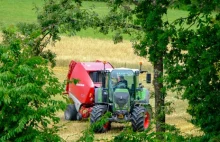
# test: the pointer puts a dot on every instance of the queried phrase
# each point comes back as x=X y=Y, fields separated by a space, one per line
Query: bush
x=27 y=93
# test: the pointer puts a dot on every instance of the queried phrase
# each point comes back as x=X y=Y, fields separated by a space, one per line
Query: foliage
x=88 y=134
x=172 y=134
x=97 y=0
x=27 y=90
x=192 y=64
x=64 y=16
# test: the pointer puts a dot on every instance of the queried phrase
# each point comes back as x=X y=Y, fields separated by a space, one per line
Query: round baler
x=81 y=95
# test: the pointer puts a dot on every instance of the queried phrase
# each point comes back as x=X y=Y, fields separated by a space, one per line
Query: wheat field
x=88 y=49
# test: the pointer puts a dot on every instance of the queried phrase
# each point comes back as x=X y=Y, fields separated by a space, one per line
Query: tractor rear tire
x=140 y=118
x=97 y=112
x=70 y=112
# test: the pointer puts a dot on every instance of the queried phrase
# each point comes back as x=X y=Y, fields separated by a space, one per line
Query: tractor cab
x=122 y=79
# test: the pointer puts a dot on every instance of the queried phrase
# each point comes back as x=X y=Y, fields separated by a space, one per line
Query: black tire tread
x=138 y=118
x=97 y=112
x=71 y=111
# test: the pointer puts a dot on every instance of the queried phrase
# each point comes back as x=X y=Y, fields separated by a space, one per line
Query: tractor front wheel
x=95 y=116
x=140 y=118
x=70 y=112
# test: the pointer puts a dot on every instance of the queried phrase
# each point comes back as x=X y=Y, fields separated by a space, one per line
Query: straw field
x=89 y=49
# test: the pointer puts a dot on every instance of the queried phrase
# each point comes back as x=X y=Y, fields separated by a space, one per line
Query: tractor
x=124 y=98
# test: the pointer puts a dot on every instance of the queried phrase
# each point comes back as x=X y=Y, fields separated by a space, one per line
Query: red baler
x=82 y=93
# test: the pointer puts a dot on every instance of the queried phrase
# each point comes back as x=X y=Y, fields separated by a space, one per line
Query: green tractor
x=125 y=99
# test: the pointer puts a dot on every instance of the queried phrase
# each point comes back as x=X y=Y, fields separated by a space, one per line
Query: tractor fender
x=143 y=96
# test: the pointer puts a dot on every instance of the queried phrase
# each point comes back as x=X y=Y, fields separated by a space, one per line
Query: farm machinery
x=117 y=92
x=81 y=95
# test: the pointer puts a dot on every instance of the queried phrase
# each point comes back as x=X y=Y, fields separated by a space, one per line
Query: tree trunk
x=159 y=99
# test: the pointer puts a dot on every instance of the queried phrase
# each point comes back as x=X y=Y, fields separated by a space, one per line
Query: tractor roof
x=134 y=70
x=95 y=66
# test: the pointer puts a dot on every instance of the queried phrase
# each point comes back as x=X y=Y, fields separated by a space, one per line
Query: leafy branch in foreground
x=27 y=91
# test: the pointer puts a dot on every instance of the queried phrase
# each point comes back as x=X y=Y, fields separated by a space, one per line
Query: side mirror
x=148 y=78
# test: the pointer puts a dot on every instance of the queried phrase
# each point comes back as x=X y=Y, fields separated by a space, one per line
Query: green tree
x=27 y=93
x=193 y=64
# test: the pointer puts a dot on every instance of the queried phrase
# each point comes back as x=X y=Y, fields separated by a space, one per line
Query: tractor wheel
x=70 y=112
x=140 y=118
x=96 y=114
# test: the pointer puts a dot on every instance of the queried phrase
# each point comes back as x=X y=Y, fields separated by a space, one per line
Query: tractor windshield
x=122 y=79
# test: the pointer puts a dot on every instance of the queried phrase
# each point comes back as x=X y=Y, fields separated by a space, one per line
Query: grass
x=15 y=11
